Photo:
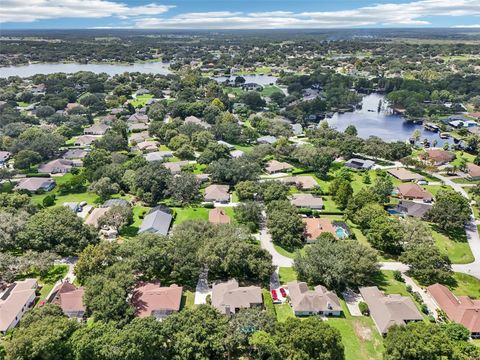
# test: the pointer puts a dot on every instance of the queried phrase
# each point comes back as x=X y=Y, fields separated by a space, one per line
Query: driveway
x=202 y=290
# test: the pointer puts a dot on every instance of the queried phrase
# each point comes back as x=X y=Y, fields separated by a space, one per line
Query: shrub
x=48 y=200
x=208 y=205
x=424 y=309
x=363 y=307
x=397 y=275
x=409 y=288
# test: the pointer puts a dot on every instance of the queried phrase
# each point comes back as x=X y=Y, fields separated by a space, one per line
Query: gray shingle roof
x=156 y=222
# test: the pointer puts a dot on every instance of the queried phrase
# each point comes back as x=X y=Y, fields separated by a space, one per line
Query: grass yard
x=244 y=148
x=329 y=204
x=283 y=312
x=270 y=89
x=184 y=214
x=48 y=280
x=132 y=230
x=286 y=275
x=467 y=286
x=283 y=251
x=90 y=198
x=188 y=299
x=141 y=100
x=458 y=250
x=234 y=90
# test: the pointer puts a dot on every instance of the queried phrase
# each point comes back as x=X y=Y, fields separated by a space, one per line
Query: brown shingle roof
x=228 y=296
x=305 y=300
x=403 y=174
x=315 y=226
x=216 y=192
x=274 y=166
x=149 y=298
x=307 y=201
x=440 y=156
x=413 y=191
x=11 y=305
x=218 y=216
x=473 y=170
x=305 y=182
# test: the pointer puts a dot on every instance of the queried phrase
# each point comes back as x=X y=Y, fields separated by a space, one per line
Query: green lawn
x=234 y=90
x=329 y=204
x=270 y=89
x=188 y=299
x=141 y=100
x=244 y=148
x=132 y=230
x=458 y=251
x=47 y=281
x=283 y=311
x=286 y=275
x=184 y=214
x=283 y=251
x=467 y=286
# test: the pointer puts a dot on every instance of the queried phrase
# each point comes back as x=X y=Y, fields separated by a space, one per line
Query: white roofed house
x=15 y=300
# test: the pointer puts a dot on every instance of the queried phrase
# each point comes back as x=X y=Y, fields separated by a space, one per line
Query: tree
x=56 y=229
x=383 y=187
x=342 y=192
x=450 y=212
x=336 y=264
x=186 y=152
x=253 y=100
x=249 y=214
x=94 y=259
x=351 y=130
x=151 y=182
x=45 y=111
x=25 y=159
x=213 y=152
x=117 y=217
x=233 y=171
x=456 y=332
x=273 y=190
x=365 y=216
x=246 y=190
x=284 y=224
x=184 y=187
x=10 y=226
x=95 y=160
x=104 y=188
x=385 y=234
x=112 y=141
x=157 y=112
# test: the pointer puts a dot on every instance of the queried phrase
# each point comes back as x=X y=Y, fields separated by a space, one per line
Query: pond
x=111 y=69
x=257 y=79
x=383 y=123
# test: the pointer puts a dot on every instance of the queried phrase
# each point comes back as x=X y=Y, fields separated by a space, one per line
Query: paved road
x=266 y=243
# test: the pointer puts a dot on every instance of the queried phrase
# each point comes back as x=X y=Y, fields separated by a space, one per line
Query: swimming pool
x=341 y=233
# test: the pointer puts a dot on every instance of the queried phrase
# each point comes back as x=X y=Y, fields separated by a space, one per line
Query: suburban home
x=217 y=193
x=4 y=157
x=473 y=172
x=158 y=155
x=359 y=164
x=461 y=309
x=319 y=301
x=306 y=182
x=95 y=215
x=135 y=127
x=274 y=166
x=15 y=300
x=229 y=297
x=71 y=106
x=70 y=299
x=316 y=226
x=308 y=201
x=195 y=120
x=267 y=139
x=297 y=129
x=405 y=175
x=138 y=137
x=85 y=140
x=39 y=88
x=236 y=153
x=75 y=154
x=150 y=299
x=176 y=167
x=57 y=166
x=97 y=129
x=138 y=118
x=147 y=146
x=412 y=208
x=157 y=221
x=35 y=184
x=115 y=202
x=218 y=216
x=201 y=178
x=389 y=310
x=438 y=156
x=412 y=191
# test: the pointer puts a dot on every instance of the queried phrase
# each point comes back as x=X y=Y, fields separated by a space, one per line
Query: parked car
x=283 y=292
x=274 y=295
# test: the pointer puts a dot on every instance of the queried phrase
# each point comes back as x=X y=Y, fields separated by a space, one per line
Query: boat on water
x=444 y=135
x=431 y=127
x=426 y=143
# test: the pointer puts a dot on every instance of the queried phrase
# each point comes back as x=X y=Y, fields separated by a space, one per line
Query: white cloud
x=474 y=26
x=32 y=10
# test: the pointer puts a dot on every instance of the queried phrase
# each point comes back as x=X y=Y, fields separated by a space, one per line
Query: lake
x=384 y=124
x=257 y=79
x=110 y=69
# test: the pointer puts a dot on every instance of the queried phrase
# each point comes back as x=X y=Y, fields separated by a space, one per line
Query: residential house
x=115 y=202
x=195 y=120
x=461 y=309
x=217 y=193
x=274 y=166
x=150 y=299
x=158 y=155
x=201 y=178
x=95 y=215
x=75 y=154
x=35 y=184
x=229 y=297
x=85 y=140
x=359 y=164
x=147 y=146
x=412 y=208
x=157 y=221
x=438 y=156
x=97 y=129
x=38 y=89
x=71 y=106
x=473 y=172
x=4 y=157
x=319 y=301
x=224 y=143
x=389 y=310
x=15 y=301
x=306 y=182
x=297 y=129
x=405 y=175
x=308 y=201
x=138 y=137
x=267 y=139
x=138 y=118
x=135 y=127
x=57 y=166
x=218 y=216
x=412 y=191
x=176 y=166
x=70 y=299
x=314 y=227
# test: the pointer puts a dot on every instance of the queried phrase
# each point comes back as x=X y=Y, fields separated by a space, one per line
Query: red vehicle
x=274 y=295
x=283 y=292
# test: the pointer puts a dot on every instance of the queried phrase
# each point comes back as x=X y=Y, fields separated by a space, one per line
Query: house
x=195 y=120
x=308 y=201
x=268 y=139
x=176 y=166
x=306 y=182
x=157 y=221
x=134 y=127
x=147 y=146
x=39 y=88
x=359 y=164
x=217 y=193
x=297 y=129
x=319 y=301
x=224 y=143
x=229 y=297
x=218 y=216
x=461 y=309
x=58 y=166
x=158 y=155
x=389 y=310
x=274 y=166
x=115 y=202
x=98 y=129
x=150 y=299
x=412 y=208
x=412 y=191
x=75 y=154
x=35 y=184
x=4 y=157
x=462 y=123
x=138 y=118
x=251 y=86
x=473 y=172
x=85 y=140
x=438 y=156
x=15 y=301
x=236 y=153
x=95 y=215
x=316 y=226
x=71 y=106
x=138 y=137
x=405 y=175
x=70 y=299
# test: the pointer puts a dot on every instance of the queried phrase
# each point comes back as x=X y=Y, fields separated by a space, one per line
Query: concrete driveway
x=267 y=244
x=202 y=290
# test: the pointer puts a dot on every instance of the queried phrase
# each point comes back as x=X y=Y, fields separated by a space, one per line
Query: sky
x=237 y=14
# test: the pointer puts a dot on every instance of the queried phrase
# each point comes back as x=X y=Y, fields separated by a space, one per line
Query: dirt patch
x=362 y=332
